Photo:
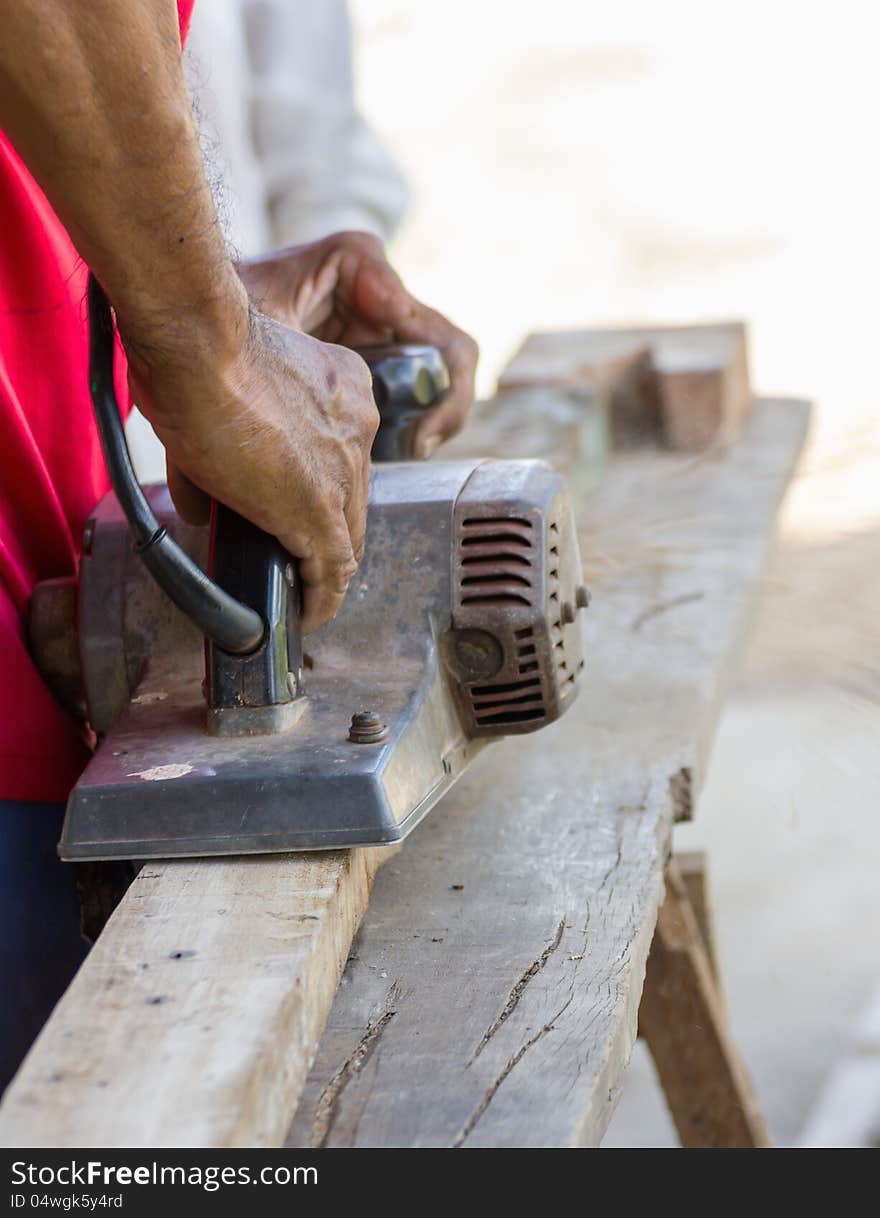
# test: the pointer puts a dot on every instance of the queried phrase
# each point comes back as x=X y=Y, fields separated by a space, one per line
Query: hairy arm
x=273 y=422
x=92 y=95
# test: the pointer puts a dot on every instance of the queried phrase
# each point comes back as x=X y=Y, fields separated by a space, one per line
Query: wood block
x=690 y=383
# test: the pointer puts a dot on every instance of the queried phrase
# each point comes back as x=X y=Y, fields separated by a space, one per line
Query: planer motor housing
x=461 y=625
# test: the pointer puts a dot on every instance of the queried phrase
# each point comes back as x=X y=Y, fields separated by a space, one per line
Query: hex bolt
x=582 y=597
x=567 y=612
x=367 y=728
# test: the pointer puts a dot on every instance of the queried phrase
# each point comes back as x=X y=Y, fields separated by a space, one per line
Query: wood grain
x=491 y=997
x=194 y=1018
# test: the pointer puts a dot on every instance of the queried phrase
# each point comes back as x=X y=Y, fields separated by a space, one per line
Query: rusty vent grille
x=526 y=653
x=496 y=561
x=507 y=702
x=514 y=702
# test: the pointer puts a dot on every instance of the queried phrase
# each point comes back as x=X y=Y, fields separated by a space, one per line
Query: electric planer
x=219 y=733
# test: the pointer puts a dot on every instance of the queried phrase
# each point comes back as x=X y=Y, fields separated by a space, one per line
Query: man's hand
x=254 y=411
x=268 y=420
x=278 y=426
x=343 y=290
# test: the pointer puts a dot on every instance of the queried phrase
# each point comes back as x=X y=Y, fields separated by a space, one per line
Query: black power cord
x=231 y=625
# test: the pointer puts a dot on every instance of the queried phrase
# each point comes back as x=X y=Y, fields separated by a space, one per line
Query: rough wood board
x=491 y=998
x=700 y=390
x=194 y=1019
x=683 y=1022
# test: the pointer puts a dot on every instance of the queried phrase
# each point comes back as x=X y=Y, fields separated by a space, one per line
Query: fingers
x=369 y=298
x=339 y=498
x=326 y=574
x=461 y=354
x=333 y=557
x=329 y=546
x=376 y=298
x=355 y=511
x=192 y=504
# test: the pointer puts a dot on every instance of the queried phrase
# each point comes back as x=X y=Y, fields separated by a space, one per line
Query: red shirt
x=51 y=468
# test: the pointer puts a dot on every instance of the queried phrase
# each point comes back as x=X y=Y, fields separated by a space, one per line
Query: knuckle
x=354 y=368
x=342 y=572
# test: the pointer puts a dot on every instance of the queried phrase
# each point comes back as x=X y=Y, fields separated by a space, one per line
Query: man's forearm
x=93 y=98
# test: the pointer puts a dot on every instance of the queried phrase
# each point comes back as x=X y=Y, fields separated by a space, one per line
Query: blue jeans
x=40 y=942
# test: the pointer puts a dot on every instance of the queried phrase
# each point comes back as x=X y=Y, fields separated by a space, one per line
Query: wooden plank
x=219 y=1059
x=491 y=998
x=194 y=1019
x=682 y=1020
x=690 y=383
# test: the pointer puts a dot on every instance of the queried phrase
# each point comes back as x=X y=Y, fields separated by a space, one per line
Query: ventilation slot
x=526 y=662
x=499 y=596
x=513 y=702
x=496 y=540
x=477 y=555
x=495 y=561
x=511 y=717
x=491 y=576
x=481 y=522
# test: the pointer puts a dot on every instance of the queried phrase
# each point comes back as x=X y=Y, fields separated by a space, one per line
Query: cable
x=231 y=625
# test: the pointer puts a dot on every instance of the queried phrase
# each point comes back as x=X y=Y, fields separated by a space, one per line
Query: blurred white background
x=574 y=162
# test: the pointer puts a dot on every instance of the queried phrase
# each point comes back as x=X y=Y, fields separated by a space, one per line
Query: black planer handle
x=408 y=380
x=258 y=693
x=250 y=611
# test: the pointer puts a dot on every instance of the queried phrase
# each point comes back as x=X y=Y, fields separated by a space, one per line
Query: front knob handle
x=408 y=380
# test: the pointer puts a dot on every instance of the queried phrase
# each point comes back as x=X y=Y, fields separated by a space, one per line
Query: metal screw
x=567 y=612
x=88 y=537
x=290 y=574
x=293 y=681
x=367 y=728
x=582 y=597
